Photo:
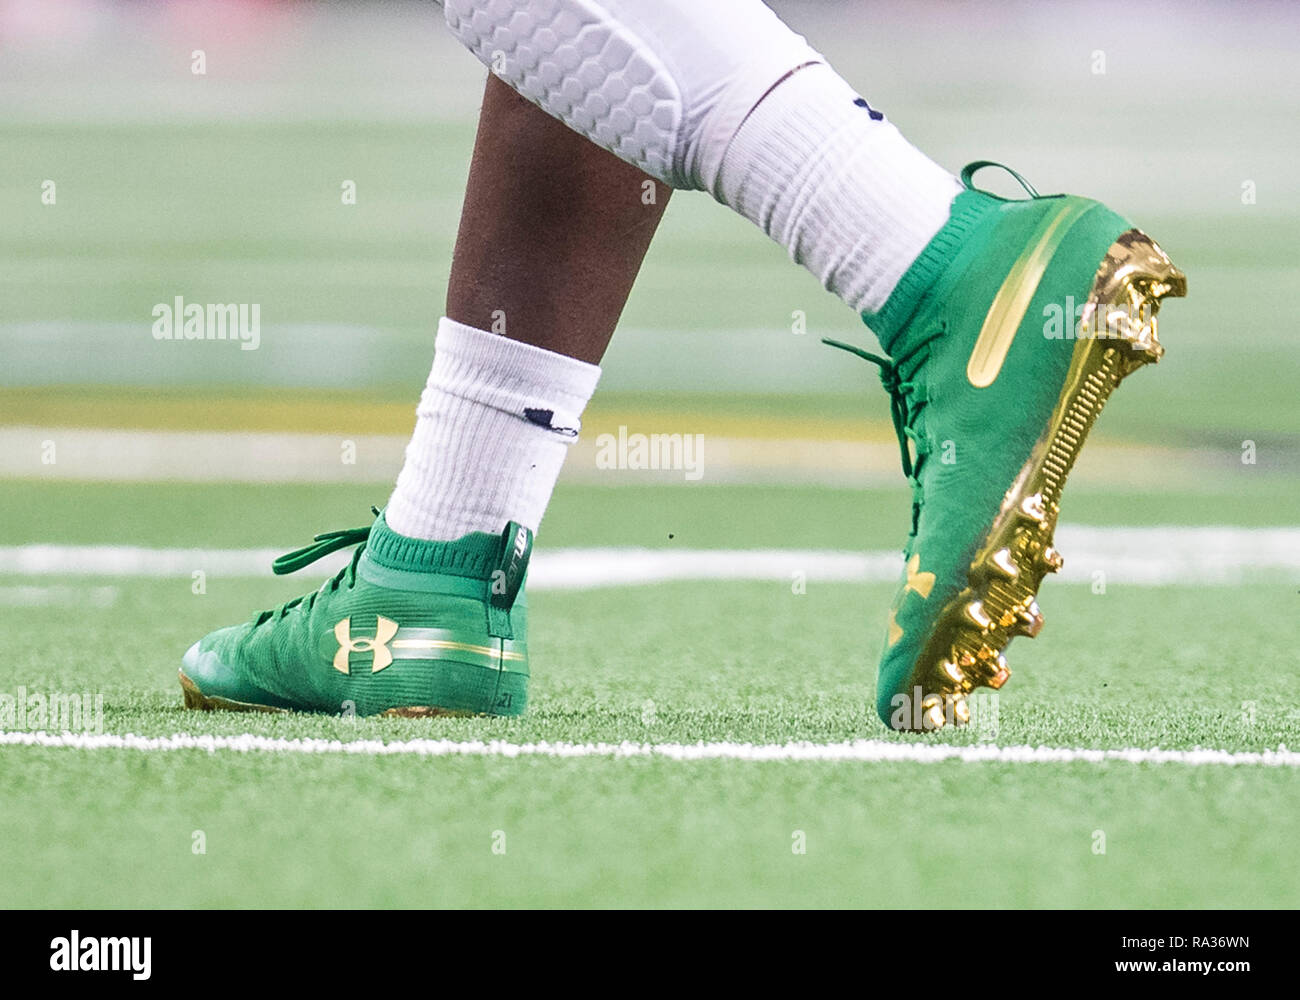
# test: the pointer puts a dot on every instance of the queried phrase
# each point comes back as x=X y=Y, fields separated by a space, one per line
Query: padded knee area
x=579 y=64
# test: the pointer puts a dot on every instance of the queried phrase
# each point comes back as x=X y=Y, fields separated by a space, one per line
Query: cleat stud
x=1142 y=343
x=1031 y=619
x=978 y=616
x=1053 y=560
x=994 y=666
x=1032 y=508
x=1002 y=562
x=952 y=672
x=932 y=712
x=961 y=711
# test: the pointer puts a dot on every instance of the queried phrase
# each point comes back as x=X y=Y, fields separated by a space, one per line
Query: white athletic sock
x=493 y=426
x=823 y=174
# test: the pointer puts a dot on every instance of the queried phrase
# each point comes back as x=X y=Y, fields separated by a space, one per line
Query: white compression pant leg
x=663 y=84
x=721 y=96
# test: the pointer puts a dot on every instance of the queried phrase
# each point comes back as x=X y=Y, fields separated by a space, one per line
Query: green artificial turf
x=1175 y=667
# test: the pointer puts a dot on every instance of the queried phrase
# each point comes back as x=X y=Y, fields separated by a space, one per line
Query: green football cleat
x=1006 y=336
x=408 y=627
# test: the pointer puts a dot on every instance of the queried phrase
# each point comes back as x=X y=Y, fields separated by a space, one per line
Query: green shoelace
x=906 y=400
x=321 y=546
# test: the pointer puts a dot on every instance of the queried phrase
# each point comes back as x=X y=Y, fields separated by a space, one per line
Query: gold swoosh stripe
x=1013 y=298
x=464 y=647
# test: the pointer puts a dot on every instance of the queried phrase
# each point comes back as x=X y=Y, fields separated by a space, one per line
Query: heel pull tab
x=968 y=176
x=506 y=580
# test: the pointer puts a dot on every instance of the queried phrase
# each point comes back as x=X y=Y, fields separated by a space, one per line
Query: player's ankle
x=493 y=428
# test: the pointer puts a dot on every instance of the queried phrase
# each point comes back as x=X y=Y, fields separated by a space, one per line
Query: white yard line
x=858 y=751
x=1150 y=556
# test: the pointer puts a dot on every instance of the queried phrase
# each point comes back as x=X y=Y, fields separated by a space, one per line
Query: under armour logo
x=871 y=112
x=385 y=629
x=546 y=418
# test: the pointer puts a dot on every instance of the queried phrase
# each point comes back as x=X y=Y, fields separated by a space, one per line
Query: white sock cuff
x=509 y=375
x=800 y=116
x=768 y=139
x=835 y=184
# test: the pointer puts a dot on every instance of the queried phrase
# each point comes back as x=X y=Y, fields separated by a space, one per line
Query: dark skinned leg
x=552 y=232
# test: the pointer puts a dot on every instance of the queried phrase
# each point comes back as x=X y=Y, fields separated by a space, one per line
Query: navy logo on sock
x=876 y=116
x=544 y=418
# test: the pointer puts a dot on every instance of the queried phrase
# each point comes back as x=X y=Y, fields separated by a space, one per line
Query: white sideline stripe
x=1148 y=556
x=861 y=751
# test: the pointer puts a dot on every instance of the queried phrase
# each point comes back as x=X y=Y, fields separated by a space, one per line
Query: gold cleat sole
x=196 y=699
x=1118 y=336
x=424 y=712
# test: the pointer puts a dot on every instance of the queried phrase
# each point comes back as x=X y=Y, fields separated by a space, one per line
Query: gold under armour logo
x=922 y=583
x=385 y=629
x=917 y=581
